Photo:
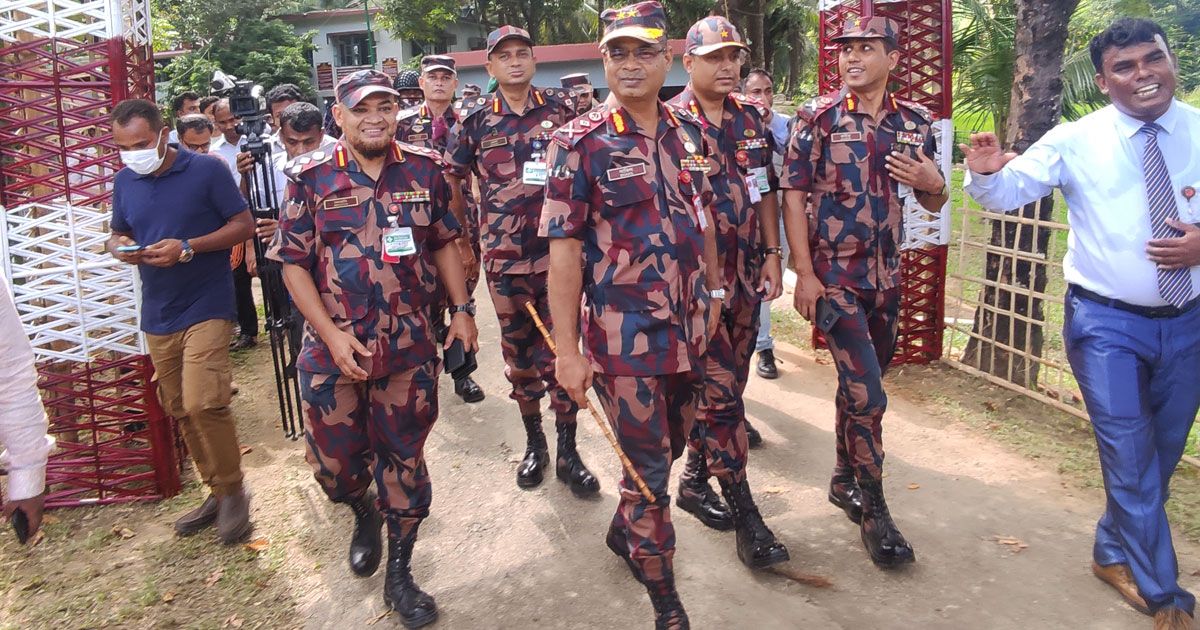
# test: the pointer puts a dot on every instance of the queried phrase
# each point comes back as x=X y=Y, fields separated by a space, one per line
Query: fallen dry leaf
x=212 y=579
x=1016 y=545
x=1196 y=573
x=37 y=539
x=258 y=544
x=808 y=579
x=168 y=597
x=50 y=519
x=379 y=618
x=914 y=486
x=233 y=622
x=246 y=449
x=773 y=490
x=123 y=532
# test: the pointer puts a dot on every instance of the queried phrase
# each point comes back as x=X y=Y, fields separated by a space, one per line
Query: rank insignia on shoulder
x=905 y=137
x=412 y=196
x=694 y=163
x=625 y=172
x=847 y=136
x=334 y=203
x=546 y=124
x=595 y=116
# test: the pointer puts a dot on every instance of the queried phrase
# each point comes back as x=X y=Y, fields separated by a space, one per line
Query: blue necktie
x=1174 y=285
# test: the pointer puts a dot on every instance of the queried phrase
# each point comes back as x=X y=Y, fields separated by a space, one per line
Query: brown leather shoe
x=198 y=519
x=1172 y=618
x=1119 y=577
x=233 y=517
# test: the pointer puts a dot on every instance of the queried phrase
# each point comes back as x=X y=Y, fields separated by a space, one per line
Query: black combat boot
x=618 y=543
x=697 y=498
x=532 y=469
x=883 y=541
x=753 y=437
x=845 y=493
x=569 y=467
x=757 y=547
x=366 y=544
x=400 y=593
x=468 y=390
x=668 y=610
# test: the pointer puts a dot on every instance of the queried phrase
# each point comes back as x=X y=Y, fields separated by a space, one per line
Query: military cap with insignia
x=430 y=63
x=869 y=28
x=712 y=33
x=644 y=21
x=357 y=85
x=572 y=80
x=504 y=33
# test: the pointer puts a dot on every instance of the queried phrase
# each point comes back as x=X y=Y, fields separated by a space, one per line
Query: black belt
x=1153 y=312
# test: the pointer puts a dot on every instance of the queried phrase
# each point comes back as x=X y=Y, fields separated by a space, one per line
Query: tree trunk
x=1010 y=320
x=795 y=58
x=754 y=11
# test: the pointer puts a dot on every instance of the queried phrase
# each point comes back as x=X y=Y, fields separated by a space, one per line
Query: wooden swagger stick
x=612 y=439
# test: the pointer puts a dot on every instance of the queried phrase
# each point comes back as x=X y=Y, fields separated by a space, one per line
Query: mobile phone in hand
x=20 y=525
x=826 y=317
x=129 y=249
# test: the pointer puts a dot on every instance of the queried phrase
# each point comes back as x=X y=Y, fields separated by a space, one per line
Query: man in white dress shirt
x=22 y=419
x=1129 y=173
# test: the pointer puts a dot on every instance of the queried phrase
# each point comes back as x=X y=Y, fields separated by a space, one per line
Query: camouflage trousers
x=652 y=416
x=862 y=342
x=720 y=430
x=373 y=429
x=529 y=363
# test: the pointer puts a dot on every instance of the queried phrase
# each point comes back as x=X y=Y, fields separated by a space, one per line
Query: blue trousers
x=1139 y=379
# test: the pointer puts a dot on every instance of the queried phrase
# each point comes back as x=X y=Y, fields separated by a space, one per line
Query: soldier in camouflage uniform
x=747 y=227
x=428 y=125
x=580 y=84
x=852 y=158
x=629 y=195
x=365 y=238
x=502 y=139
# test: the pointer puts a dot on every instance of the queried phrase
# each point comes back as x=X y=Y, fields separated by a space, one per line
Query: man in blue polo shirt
x=175 y=215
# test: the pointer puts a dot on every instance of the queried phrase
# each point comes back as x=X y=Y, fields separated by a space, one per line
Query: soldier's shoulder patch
x=754 y=103
x=683 y=113
x=577 y=129
x=473 y=106
x=917 y=108
x=817 y=106
x=421 y=151
x=296 y=167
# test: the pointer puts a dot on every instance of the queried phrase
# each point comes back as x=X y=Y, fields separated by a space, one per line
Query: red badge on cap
x=685 y=177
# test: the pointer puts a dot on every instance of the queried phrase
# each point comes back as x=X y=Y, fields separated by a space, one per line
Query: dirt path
x=1002 y=541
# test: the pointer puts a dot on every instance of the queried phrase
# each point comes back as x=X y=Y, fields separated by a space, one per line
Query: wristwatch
x=468 y=308
x=716 y=294
x=188 y=253
x=778 y=251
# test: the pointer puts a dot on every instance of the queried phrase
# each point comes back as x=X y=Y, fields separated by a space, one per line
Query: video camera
x=245 y=103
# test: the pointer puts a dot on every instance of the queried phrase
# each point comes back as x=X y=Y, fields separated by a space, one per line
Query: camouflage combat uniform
x=742 y=149
x=836 y=154
x=636 y=199
x=494 y=143
x=333 y=227
x=417 y=126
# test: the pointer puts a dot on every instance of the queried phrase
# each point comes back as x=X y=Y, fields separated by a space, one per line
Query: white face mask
x=144 y=161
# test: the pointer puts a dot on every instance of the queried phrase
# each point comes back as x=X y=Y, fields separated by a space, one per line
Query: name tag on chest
x=336 y=203
x=625 y=172
x=491 y=143
x=847 y=136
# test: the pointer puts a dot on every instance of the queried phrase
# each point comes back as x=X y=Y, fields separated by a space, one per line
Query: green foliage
x=233 y=36
x=418 y=20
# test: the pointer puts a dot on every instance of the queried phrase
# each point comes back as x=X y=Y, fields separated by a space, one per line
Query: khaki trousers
x=193 y=372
